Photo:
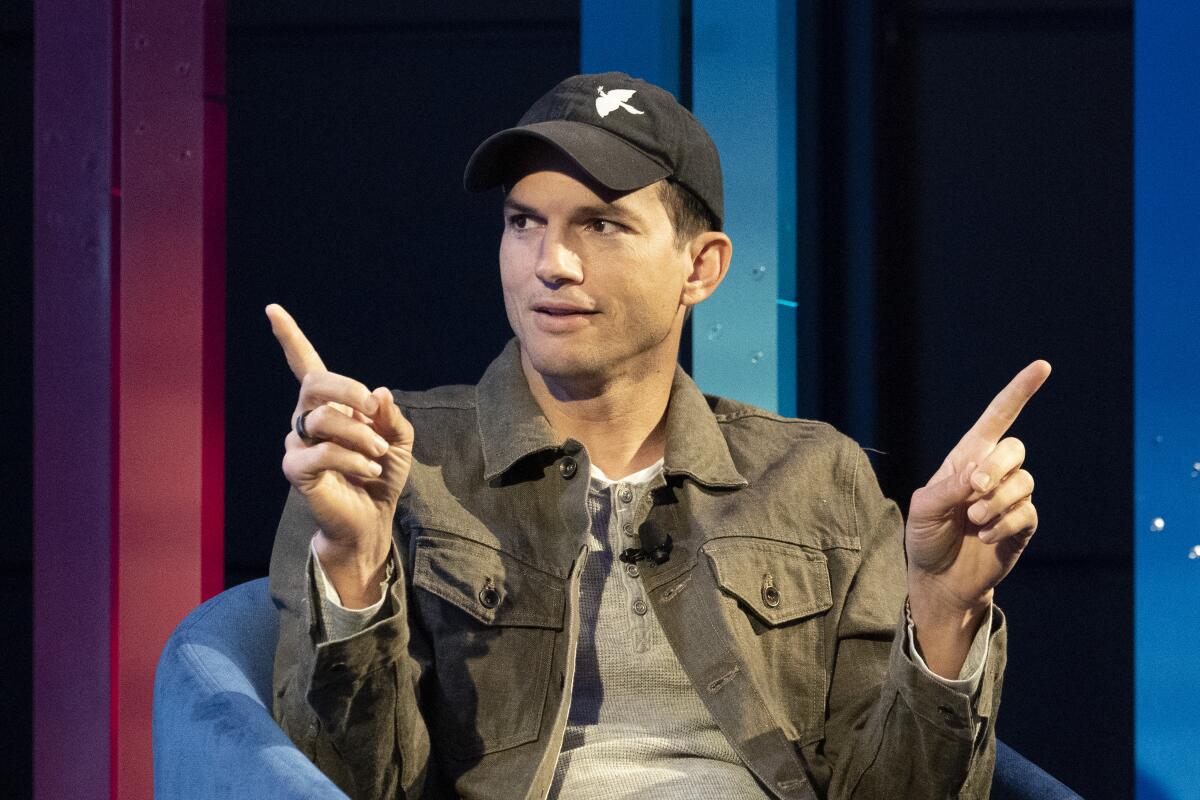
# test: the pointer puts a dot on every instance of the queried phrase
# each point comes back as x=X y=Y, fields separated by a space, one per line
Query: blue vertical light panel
x=638 y=37
x=1167 y=398
x=744 y=91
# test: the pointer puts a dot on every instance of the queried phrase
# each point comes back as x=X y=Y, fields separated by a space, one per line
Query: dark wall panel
x=1006 y=184
x=1023 y=251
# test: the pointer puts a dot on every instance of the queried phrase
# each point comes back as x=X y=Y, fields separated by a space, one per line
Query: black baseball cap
x=622 y=131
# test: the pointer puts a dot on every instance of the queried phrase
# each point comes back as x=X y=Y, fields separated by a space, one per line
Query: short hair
x=689 y=217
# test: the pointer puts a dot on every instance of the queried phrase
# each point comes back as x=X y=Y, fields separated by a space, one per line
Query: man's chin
x=560 y=361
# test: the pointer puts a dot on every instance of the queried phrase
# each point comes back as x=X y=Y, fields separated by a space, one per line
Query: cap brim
x=609 y=159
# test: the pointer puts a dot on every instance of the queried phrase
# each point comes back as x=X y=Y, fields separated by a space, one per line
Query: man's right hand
x=351 y=470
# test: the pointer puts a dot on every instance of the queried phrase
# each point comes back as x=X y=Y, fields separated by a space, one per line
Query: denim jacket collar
x=512 y=426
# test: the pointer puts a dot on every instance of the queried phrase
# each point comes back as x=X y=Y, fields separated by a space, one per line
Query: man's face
x=592 y=284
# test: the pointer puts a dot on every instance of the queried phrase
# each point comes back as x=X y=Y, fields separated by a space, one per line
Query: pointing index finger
x=301 y=355
x=1002 y=412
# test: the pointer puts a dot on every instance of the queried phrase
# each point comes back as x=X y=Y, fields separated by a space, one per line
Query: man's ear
x=710 y=253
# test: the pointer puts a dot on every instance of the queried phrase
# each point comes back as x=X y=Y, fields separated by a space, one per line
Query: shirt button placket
x=627 y=534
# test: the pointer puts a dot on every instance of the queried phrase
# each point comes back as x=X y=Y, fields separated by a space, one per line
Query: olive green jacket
x=461 y=686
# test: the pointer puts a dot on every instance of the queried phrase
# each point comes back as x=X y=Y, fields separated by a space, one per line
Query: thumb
x=937 y=499
x=389 y=422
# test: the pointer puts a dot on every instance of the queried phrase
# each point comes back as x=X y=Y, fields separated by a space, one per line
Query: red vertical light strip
x=170 y=393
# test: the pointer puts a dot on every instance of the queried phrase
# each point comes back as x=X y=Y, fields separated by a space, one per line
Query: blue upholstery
x=214 y=736
x=1017 y=778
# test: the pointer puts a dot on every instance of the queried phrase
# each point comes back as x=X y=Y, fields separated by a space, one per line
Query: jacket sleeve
x=893 y=730
x=350 y=705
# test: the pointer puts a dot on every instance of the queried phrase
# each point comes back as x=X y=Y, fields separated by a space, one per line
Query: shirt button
x=568 y=467
x=626 y=494
x=571 y=447
x=628 y=528
x=632 y=570
x=639 y=607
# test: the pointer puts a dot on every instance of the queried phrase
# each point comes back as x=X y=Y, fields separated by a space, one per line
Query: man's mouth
x=561 y=311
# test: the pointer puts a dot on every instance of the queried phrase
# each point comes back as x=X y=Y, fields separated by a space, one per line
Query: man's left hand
x=970 y=523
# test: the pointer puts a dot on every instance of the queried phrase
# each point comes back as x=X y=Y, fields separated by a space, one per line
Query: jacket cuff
x=337 y=621
x=957 y=713
x=341 y=660
x=971 y=674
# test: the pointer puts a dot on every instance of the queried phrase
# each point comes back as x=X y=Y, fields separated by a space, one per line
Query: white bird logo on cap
x=609 y=102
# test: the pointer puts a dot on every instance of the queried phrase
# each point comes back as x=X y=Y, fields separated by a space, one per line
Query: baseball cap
x=622 y=131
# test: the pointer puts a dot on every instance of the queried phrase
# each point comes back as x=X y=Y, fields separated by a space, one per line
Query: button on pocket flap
x=491 y=586
x=778 y=582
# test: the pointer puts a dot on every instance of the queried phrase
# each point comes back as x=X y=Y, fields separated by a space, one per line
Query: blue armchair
x=214 y=736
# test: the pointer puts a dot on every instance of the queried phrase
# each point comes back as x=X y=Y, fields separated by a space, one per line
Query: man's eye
x=604 y=226
x=518 y=222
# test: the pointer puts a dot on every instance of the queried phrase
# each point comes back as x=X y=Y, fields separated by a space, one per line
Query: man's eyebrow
x=617 y=213
x=520 y=208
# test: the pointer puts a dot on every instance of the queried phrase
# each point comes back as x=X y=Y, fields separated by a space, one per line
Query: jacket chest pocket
x=779 y=594
x=492 y=621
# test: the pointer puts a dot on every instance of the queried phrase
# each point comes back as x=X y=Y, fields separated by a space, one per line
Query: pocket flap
x=778 y=582
x=491 y=586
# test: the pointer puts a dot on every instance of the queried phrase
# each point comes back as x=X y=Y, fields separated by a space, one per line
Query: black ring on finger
x=300 y=430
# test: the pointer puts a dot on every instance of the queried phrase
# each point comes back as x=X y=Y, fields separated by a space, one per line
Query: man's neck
x=622 y=422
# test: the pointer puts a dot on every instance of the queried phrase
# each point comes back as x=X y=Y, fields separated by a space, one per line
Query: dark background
x=1004 y=233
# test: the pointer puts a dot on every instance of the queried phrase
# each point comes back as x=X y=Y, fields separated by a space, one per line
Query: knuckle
x=317 y=418
x=288 y=465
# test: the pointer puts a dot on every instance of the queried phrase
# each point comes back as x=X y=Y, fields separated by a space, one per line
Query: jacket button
x=626 y=494
x=632 y=570
x=770 y=595
x=639 y=607
x=628 y=528
x=568 y=466
x=489 y=597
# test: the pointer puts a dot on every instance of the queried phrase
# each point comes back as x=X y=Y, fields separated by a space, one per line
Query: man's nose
x=558 y=262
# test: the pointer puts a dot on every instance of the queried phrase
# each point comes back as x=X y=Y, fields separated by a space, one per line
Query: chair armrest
x=214 y=736
x=1017 y=778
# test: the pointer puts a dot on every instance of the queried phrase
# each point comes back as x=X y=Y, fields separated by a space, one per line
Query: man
x=584 y=578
